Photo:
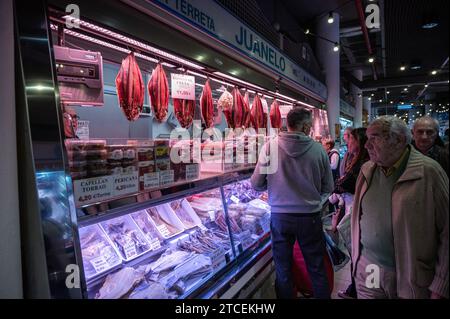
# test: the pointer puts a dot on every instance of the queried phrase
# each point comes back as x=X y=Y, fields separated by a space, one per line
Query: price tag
x=126 y=184
x=183 y=86
x=155 y=244
x=163 y=230
x=91 y=190
x=166 y=177
x=130 y=250
x=151 y=180
x=235 y=199
x=192 y=171
x=83 y=130
x=99 y=264
x=212 y=215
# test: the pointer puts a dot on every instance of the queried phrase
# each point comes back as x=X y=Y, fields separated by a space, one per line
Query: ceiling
x=401 y=40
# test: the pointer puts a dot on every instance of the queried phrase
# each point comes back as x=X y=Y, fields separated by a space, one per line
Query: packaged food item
x=144 y=223
x=162 y=151
x=145 y=154
x=97 y=154
x=91 y=145
x=126 y=237
x=129 y=167
x=97 y=168
x=115 y=153
x=78 y=175
x=115 y=168
x=162 y=164
x=77 y=166
x=179 y=171
x=76 y=155
x=75 y=145
x=98 y=252
x=146 y=167
x=129 y=152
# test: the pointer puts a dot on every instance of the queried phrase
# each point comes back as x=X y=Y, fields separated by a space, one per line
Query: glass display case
x=174 y=247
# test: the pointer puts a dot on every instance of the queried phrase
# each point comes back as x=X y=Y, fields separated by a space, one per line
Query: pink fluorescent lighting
x=197 y=74
x=139 y=44
x=239 y=81
x=285 y=97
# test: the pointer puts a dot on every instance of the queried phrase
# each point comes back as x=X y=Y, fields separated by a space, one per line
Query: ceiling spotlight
x=336 y=47
x=370 y=99
x=307 y=31
x=402 y=103
x=392 y=102
x=388 y=92
x=380 y=101
x=402 y=67
x=405 y=89
x=371 y=59
x=330 y=18
x=429 y=21
x=372 y=94
x=434 y=72
x=426 y=85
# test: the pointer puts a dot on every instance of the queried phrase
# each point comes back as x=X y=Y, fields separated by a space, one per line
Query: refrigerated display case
x=176 y=246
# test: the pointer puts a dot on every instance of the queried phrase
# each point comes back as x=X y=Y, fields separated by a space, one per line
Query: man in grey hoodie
x=296 y=172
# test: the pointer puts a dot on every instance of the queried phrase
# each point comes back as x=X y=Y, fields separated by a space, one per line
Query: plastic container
x=76 y=155
x=115 y=168
x=78 y=175
x=126 y=237
x=145 y=154
x=129 y=166
x=162 y=151
x=129 y=152
x=146 y=167
x=186 y=214
x=95 y=155
x=165 y=221
x=162 y=164
x=75 y=145
x=115 y=153
x=97 y=168
x=91 y=145
x=99 y=254
x=143 y=221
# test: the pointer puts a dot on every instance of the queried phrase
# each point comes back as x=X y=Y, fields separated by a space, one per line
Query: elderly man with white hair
x=427 y=140
x=400 y=219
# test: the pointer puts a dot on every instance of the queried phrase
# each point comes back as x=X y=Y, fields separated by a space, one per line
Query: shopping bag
x=302 y=282
x=338 y=258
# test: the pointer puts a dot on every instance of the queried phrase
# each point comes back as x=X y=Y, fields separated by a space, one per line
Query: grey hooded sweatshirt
x=300 y=181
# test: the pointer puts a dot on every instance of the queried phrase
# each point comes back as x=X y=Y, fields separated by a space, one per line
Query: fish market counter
x=209 y=240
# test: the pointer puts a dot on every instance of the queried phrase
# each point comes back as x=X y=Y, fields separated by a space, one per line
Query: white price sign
x=166 y=177
x=93 y=190
x=83 y=130
x=235 y=199
x=163 y=230
x=212 y=215
x=151 y=180
x=284 y=110
x=183 y=86
x=130 y=250
x=126 y=184
x=99 y=264
x=155 y=244
x=192 y=171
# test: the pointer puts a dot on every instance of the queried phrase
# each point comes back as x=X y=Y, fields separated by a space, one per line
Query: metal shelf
x=169 y=193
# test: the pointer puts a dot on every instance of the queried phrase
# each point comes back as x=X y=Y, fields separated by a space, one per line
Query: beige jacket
x=420 y=216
